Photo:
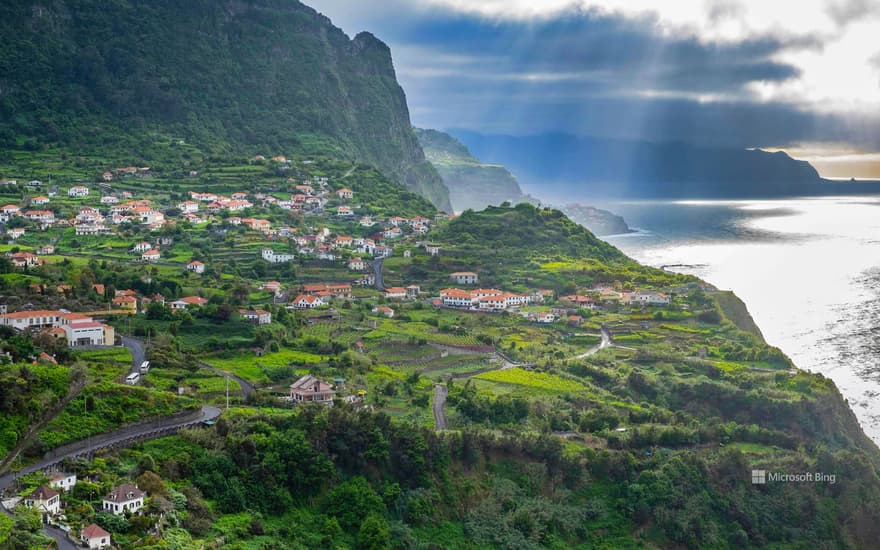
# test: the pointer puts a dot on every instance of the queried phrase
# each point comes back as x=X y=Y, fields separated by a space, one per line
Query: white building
x=78 y=191
x=63 y=481
x=95 y=538
x=44 y=499
x=650 y=298
x=125 y=498
x=274 y=258
x=465 y=277
x=196 y=267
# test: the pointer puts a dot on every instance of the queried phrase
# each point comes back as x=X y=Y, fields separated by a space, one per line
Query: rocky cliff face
x=471 y=183
x=246 y=76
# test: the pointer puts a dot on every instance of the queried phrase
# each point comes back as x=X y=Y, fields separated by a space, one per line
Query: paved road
x=247 y=389
x=604 y=343
x=439 y=406
x=138 y=353
x=151 y=430
x=60 y=538
x=377 y=270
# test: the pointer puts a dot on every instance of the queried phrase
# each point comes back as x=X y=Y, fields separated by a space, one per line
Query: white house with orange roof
x=307 y=301
x=40 y=199
x=345 y=193
x=151 y=255
x=78 y=191
x=196 y=266
x=189 y=301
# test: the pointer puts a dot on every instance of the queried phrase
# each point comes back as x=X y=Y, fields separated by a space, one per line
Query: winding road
x=118 y=438
x=139 y=355
x=604 y=343
x=138 y=352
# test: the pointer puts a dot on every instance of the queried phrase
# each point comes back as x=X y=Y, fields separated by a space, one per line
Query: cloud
x=739 y=72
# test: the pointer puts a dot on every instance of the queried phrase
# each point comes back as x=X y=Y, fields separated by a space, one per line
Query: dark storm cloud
x=589 y=74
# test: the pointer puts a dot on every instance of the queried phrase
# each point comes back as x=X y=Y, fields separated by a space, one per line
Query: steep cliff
x=243 y=76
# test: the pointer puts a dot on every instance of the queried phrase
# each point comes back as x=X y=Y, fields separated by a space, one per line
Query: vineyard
x=531 y=379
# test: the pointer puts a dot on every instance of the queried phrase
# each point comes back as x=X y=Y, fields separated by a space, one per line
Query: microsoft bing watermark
x=762 y=477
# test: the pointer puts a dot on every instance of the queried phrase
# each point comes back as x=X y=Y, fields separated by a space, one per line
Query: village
x=299 y=292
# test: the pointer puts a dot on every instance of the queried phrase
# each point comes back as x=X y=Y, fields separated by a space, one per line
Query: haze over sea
x=808 y=269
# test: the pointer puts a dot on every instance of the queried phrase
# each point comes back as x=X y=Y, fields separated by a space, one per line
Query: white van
x=132 y=378
x=145 y=367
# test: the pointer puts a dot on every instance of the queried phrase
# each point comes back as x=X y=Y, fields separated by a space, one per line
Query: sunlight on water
x=808 y=270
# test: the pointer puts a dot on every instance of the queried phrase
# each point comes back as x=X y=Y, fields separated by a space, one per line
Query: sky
x=801 y=76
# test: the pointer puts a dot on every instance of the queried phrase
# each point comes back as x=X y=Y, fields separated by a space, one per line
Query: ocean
x=808 y=269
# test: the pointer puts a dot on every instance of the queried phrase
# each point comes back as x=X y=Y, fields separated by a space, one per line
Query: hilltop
x=268 y=77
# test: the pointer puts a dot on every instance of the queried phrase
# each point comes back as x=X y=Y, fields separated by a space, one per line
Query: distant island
x=596 y=167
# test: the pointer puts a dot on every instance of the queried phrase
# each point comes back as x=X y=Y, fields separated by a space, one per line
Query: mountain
x=245 y=76
x=475 y=185
x=471 y=183
x=615 y=168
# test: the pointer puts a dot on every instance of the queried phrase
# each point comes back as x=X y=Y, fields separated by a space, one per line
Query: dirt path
x=439 y=406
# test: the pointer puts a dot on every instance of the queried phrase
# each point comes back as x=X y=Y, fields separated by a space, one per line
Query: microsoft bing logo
x=759 y=477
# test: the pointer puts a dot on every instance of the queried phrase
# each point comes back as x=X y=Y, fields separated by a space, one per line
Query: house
x=184 y=303
x=344 y=212
x=271 y=286
x=45 y=499
x=545 y=317
x=15 y=233
x=357 y=264
x=256 y=316
x=142 y=247
x=125 y=498
x=109 y=199
x=274 y=258
x=88 y=333
x=95 y=538
x=392 y=233
x=188 y=207
x=384 y=310
x=42 y=216
x=345 y=194
x=407 y=253
x=78 y=191
x=46 y=250
x=395 y=293
x=310 y=389
x=432 y=250
x=306 y=301
x=455 y=297
x=646 y=298
x=465 y=277
x=40 y=199
x=397 y=221
x=125 y=302
x=107 y=176
x=23 y=259
x=196 y=267
x=61 y=480
x=413 y=291
x=78 y=329
x=257 y=225
x=151 y=256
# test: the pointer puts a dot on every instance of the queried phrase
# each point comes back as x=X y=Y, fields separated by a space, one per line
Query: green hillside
x=257 y=76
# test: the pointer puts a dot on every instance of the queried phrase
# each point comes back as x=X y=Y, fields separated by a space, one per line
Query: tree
x=374 y=534
x=352 y=501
